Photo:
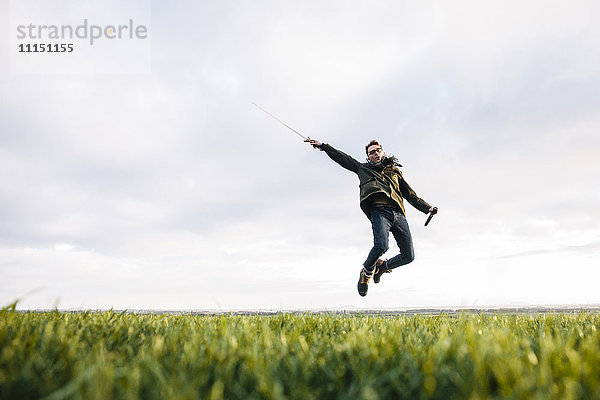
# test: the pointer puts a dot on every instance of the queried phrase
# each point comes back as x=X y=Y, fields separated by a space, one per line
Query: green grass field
x=104 y=355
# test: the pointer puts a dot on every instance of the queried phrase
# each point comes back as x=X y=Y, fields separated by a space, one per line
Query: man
x=382 y=190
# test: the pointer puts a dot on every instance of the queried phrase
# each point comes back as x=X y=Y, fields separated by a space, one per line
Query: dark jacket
x=378 y=179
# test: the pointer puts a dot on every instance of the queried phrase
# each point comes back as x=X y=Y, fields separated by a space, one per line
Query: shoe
x=363 y=281
x=380 y=269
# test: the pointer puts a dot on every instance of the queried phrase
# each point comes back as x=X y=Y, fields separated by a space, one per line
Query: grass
x=104 y=355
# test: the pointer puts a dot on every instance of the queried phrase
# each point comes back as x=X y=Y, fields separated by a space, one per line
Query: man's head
x=374 y=151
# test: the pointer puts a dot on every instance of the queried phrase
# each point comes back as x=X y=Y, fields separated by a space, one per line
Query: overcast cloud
x=170 y=190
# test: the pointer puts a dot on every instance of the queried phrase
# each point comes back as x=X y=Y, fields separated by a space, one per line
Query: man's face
x=375 y=153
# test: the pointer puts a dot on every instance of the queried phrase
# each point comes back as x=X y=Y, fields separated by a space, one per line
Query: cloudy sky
x=166 y=189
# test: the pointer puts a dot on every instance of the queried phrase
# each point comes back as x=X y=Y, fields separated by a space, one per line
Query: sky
x=165 y=188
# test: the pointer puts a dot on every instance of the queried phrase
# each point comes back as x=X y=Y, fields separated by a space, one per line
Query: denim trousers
x=385 y=219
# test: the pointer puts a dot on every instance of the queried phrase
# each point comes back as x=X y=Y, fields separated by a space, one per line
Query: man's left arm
x=409 y=194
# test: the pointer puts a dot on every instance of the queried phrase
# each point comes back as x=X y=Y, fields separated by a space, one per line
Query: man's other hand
x=314 y=143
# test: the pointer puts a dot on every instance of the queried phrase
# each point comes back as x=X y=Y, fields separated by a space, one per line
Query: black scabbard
x=435 y=210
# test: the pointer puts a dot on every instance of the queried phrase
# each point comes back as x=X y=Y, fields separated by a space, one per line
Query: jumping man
x=382 y=190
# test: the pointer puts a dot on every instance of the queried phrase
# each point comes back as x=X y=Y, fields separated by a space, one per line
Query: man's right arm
x=336 y=155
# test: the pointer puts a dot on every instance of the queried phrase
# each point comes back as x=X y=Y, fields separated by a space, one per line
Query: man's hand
x=433 y=210
x=314 y=143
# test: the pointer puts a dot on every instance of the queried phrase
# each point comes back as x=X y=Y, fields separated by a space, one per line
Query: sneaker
x=363 y=281
x=380 y=269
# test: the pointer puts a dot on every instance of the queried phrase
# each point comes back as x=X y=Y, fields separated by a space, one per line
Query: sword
x=281 y=122
x=435 y=210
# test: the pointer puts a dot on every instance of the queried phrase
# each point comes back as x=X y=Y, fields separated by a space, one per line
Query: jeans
x=384 y=220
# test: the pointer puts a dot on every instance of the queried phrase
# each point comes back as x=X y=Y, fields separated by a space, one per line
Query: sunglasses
x=375 y=151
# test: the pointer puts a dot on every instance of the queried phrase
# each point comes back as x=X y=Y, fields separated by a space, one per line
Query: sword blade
x=280 y=121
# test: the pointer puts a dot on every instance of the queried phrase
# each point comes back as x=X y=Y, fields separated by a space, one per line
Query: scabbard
x=431 y=216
